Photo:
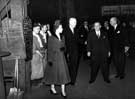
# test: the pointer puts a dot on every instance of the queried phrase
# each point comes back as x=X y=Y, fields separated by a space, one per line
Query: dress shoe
x=122 y=77
x=53 y=92
x=91 y=81
x=117 y=76
x=64 y=96
x=107 y=81
x=72 y=84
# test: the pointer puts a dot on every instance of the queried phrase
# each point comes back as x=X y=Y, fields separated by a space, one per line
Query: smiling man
x=119 y=47
x=99 y=51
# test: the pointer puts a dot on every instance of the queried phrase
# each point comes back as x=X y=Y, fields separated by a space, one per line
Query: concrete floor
x=118 y=89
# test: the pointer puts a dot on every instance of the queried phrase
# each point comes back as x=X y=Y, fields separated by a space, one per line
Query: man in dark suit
x=107 y=29
x=71 y=42
x=119 y=44
x=99 y=50
x=132 y=41
x=83 y=34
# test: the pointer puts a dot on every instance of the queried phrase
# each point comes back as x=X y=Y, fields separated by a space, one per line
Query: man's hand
x=126 y=49
x=85 y=42
x=88 y=54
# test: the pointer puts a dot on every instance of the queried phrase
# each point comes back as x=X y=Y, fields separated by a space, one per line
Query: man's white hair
x=114 y=18
x=72 y=19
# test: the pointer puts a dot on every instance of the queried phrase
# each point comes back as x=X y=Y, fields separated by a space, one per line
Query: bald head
x=113 y=21
x=97 y=26
x=73 y=22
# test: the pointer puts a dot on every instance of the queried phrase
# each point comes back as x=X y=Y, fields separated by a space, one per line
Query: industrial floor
x=117 y=89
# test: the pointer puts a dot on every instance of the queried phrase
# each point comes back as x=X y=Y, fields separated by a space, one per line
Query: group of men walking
x=101 y=45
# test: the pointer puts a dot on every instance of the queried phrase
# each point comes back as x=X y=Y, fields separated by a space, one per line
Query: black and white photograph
x=67 y=49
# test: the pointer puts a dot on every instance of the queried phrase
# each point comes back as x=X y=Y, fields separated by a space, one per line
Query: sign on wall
x=118 y=10
x=28 y=37
x=128 y=9
x=110 y=10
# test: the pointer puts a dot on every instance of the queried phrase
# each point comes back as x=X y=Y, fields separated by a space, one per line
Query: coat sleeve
x=66 y=41
x=89 y=42
x=123 y=39
x=36 y=46
x=125 y=36
x=51 y=49
x=107 y=42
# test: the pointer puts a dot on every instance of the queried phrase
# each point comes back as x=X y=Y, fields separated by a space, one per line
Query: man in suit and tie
x=71 y=42
x=99 y=50
x=119 y=43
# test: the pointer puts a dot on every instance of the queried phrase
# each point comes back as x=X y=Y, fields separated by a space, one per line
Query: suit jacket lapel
x=97 y=35
x=71 y=33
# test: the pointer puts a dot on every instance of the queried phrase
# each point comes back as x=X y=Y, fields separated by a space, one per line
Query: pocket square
x=118 y=32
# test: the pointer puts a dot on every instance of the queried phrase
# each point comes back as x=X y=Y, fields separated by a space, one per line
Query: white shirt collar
x=72 y=29
x=115 y=26
x=98 y=33
x=43 y=34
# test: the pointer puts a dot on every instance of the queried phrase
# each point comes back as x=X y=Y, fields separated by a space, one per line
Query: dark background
x=46 y=10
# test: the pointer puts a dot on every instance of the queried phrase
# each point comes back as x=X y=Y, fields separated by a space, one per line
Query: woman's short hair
x=37 y=25
x=57 y=23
